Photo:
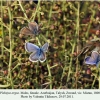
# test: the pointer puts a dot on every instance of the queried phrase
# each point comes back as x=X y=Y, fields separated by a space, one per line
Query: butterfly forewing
x=33 y=26
x=26 y=31
x=31 y=47
x=45 y=47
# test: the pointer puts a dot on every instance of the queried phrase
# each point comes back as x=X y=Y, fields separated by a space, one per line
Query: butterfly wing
x=29 y=47
x=34 y=57
x=33 y=26
x=45 y=47
x=88 y=47
x=96 y=40
x=42 y=56
x=25 y=31
x=93 y=59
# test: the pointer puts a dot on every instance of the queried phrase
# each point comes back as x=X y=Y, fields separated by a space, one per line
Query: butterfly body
x=38 y=53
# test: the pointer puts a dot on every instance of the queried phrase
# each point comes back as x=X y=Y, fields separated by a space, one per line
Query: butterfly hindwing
x=93 y=59
x=42 y=56
x=34 y=57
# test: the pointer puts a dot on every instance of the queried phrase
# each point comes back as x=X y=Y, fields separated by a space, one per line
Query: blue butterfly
x=32 y=29
x=94 y=59
x=38 y=54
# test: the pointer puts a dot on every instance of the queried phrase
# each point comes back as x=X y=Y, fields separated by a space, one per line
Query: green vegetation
x=67 y=26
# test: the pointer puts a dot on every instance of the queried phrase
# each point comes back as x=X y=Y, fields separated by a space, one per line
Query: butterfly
x=90 y=46
x=38 y=53
x=94 y=59
x=32 y=29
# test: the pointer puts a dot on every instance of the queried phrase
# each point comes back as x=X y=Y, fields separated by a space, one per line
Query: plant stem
x=93 y=14
x=2 y=31
x=64 y=47
x=99 y=78
x=77 y=34
x=70 y=65
x=49 y=71
x=10 y=38
x=23 y=10
x=37 y=10
x=50 y=13
x=93 y=82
